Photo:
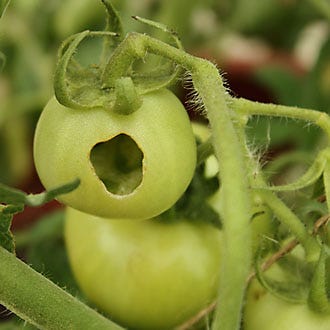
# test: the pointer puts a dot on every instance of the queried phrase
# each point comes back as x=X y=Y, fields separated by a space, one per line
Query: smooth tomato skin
x=147 y=274
x=161 y=129
x=265 y=311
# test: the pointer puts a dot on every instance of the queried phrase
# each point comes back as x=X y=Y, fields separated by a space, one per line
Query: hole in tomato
x=118 y=164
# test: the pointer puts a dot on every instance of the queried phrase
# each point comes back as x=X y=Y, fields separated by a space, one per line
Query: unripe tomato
x=265 y=311
x=148 y=274
x=130 y=166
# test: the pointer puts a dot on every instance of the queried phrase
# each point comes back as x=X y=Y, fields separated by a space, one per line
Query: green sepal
x=6 y=217
x=127 y=99
x=163 y=75
x=161 y=27
x=113 y=21
x=293 y=283
x=113 y=25
x=313 y=173
x=318 y=298
x=75 y=86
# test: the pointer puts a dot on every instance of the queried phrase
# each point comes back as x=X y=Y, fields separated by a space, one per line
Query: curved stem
x=40 y=302
x=248 y=107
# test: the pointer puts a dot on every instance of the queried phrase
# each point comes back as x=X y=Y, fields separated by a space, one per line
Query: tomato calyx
x=118 y=80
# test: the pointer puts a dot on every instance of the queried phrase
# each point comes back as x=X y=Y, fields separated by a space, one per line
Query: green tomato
x=265 y=311
x=148 y=274
x=130 y=166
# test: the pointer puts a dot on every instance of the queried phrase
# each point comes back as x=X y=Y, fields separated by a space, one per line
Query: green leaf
x=9 y=195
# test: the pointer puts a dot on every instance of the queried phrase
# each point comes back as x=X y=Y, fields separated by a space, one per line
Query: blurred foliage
x=3 y=6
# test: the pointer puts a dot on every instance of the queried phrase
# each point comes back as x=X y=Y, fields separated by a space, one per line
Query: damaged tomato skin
x=160 y=128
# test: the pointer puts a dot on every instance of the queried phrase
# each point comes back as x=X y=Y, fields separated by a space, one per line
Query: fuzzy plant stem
x=236 y=259
x=40 y=302
x=247 y=107
x=236 y=197
x=282 y=211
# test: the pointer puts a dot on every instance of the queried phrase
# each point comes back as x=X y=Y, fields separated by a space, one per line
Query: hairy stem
x=282 y=211
x=236 y=197
x=40 y=302
x=248 y=107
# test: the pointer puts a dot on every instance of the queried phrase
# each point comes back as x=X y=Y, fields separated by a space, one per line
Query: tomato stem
x=236 y=196
x=247 y=107
x=40 y=302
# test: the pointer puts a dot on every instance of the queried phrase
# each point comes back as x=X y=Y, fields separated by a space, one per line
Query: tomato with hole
x=130 y=166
